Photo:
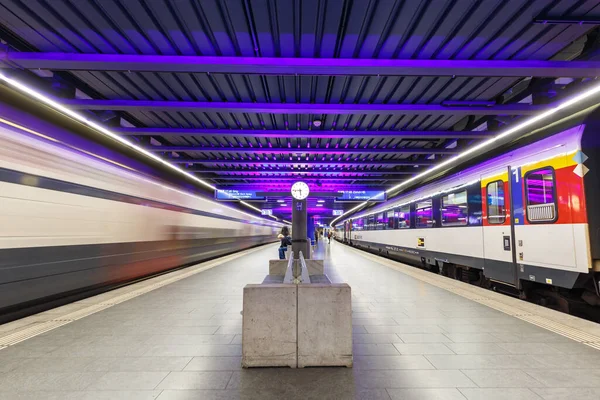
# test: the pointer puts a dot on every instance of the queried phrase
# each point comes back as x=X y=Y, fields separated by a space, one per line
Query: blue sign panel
x=234 y=194
x=360 y=195
x=516 y=189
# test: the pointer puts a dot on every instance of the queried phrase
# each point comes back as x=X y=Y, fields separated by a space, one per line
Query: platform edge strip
x=30 y=331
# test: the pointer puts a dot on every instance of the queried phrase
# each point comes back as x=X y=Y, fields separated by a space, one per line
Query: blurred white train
x=71 y=223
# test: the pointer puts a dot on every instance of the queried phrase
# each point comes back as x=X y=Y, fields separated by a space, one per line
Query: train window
x=454 y=209
x=403 y=216
x=370 y=223
x=496 y=213
x=358 y=224
x=424 y=214
x=391 y=220
x=541 y=196
x=381 y=221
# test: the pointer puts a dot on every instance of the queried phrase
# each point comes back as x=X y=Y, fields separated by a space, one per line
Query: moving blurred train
x=71 y=223
x=525 y=221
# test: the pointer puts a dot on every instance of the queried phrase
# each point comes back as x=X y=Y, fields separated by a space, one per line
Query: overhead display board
x=234 y=194
x=360 y=195
x=338 y=212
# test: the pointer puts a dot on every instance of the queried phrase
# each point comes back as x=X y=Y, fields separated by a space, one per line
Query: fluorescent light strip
x=574 y=100
x=47 y=100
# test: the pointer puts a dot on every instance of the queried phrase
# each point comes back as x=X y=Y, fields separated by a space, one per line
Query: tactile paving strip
x=484 y=297
x=30 y=331
x=137 y=289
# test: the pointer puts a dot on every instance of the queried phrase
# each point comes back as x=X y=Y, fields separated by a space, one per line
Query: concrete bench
x=278 y=267
x=324 y=325
x=270 y=326
x=309 y=321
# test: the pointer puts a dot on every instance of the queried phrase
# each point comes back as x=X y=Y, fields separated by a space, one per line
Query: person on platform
x=286 y=241
x=329 y=236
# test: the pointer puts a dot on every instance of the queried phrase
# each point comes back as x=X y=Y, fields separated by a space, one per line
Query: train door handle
x=506 y=240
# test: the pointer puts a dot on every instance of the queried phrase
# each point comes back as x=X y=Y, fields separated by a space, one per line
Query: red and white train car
x=526 y=218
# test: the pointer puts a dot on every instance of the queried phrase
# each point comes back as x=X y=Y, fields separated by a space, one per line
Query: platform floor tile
x=412 y=340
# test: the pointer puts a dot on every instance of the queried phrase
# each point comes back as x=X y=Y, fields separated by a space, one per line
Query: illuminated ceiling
x=337 y=93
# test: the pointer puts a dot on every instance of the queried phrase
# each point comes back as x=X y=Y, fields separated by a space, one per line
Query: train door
x=543 y=217
x=498 y=233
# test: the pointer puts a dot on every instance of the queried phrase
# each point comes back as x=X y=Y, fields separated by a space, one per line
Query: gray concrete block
x=269 y=326
x=270 y=279
x=315 y=267
x=319 y=279
x=277 y=267
x=324 y=325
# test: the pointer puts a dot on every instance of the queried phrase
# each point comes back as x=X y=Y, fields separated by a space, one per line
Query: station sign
x=235 y=194
x=266 y=212
x=360 y=195
x=338 y=212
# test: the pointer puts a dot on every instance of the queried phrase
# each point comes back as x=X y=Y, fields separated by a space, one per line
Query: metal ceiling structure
x=338 y=93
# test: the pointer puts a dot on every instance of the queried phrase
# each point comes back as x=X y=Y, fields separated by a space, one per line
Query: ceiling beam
x=339 y=163
x=567 y=20
x=301 y=66
x=302 y=171
x=299 y=150
x=292 y=108
x=303 y=134
x=284 y=185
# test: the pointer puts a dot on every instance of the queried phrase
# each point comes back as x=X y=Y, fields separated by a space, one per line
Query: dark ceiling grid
x=475 y=29
x=553 y=31
x=71 y=34
x=49 y=36
x=426 y=26
x=114 y=31
x=80 y=23
x=20 y=34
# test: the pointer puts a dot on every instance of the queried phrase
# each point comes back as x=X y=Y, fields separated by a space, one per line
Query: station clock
x=300 y=190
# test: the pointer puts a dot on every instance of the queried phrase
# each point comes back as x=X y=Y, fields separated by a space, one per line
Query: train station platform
x=416 y=336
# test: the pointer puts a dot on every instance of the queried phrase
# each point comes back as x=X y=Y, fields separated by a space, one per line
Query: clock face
x=300 y=190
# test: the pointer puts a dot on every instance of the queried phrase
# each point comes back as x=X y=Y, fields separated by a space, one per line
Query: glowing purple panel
x=540 y=187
